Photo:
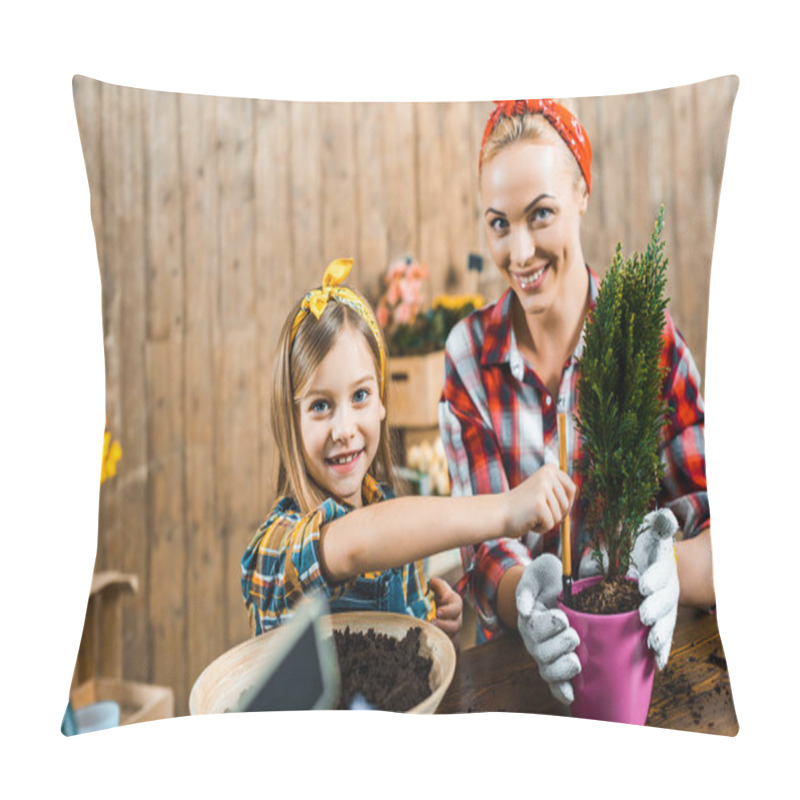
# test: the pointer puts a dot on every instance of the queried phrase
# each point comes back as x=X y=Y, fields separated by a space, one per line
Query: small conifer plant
x=620 y=408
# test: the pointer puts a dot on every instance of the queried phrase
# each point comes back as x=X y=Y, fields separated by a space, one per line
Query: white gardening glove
x=545 y=629
x=653 y=564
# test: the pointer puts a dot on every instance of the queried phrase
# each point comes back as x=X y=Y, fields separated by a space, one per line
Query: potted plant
x=415 y=338
x=619 y=417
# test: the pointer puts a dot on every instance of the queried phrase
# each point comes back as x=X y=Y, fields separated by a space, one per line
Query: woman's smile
x=530 y=280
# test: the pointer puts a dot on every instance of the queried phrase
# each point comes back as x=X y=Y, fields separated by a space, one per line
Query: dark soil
x=608 y=597
x=718 y=661
x=389 y=673
x=679 y=690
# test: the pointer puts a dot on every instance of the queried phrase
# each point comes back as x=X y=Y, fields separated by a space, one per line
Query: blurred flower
x=455 y=302
x=428 y=459
x=409 y=328
x=112 y=452
x=383 y=316
x=403 y=298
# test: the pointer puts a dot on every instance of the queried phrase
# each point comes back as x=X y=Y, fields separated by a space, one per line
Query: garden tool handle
x=566 y=548
x=566 y=545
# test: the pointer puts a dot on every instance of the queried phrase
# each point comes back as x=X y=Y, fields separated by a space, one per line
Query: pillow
x=212 y=215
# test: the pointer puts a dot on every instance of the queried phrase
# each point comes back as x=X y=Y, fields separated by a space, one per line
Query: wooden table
x=691 y=694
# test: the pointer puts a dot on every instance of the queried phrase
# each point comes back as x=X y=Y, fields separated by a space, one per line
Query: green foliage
x=428 y=331
x=620 y=405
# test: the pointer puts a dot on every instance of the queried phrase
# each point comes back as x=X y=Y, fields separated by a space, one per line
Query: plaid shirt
x=281 y=564
x=499 y=425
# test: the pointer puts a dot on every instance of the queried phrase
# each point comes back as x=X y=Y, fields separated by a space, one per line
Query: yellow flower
x=455 y=302
x=112 y=452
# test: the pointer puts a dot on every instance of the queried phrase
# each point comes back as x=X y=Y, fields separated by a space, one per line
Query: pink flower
x=396 y=270
x=418 y=271
x=383 y=316
x=402 y=314
x=411 y=295
x=393 y=294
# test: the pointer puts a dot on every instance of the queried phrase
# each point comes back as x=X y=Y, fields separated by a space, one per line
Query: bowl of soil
x=393 y=661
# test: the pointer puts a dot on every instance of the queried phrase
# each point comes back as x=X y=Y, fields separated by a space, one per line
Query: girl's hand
x=448 y=609
x=540 y=502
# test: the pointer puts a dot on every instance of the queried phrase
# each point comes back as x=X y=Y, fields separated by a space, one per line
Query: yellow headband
x=317 y=299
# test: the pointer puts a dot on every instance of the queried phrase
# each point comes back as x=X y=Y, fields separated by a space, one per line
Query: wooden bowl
x=223 y=682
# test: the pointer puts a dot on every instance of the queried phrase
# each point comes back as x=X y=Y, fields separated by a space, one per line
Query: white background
x=53 y=404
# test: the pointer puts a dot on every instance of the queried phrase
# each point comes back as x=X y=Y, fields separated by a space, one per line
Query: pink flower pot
x=617 y=666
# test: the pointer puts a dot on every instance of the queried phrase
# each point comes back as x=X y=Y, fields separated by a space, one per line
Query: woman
x=511 y=367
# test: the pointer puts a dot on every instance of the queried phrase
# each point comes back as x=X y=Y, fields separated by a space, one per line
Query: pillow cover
x=212 y=216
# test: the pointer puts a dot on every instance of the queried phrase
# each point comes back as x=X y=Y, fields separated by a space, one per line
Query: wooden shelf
x=138 y=702
x=415 y=387
x=98 y=672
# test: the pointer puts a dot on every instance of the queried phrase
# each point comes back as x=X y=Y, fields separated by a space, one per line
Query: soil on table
x=608 y=597
x=389 y=673
x=680 y=691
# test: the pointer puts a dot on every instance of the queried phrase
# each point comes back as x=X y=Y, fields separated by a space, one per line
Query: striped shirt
x=499 y=424
x=281 y=564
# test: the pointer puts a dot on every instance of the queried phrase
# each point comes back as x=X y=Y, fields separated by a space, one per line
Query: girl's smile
x=340 y=414
x=345 y=462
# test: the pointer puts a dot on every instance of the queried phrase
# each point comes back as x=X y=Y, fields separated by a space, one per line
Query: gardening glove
x=653 y=564
x=544 y=628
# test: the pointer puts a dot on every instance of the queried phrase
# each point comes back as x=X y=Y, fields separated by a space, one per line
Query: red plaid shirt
x=499 y=425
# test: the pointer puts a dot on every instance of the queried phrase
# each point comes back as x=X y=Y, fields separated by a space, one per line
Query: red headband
x=566 y=123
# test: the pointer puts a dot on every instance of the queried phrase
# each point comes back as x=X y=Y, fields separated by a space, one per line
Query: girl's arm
x=396 y=532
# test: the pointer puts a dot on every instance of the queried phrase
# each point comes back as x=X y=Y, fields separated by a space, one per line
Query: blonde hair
x=531 y=128
x=294 y=366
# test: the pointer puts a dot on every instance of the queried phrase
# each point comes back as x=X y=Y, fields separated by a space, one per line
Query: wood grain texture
x=214 y=215
x=306 y=201
x=402 y=192
x=372 y=200
x=205 y=584
x=274 y=260
x=90 y=105
x=167 y=532
x=461 y=214
x=124 y=258
x=237 y=470
x=340 y=223
x=431 y=200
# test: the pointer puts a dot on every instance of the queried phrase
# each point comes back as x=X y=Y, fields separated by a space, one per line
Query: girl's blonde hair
x=294 y=365
x=531 y=128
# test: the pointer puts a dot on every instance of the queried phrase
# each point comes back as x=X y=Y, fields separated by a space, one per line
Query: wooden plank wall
x=212 y=216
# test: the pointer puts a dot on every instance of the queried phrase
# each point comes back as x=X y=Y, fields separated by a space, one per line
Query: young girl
x=336 y=525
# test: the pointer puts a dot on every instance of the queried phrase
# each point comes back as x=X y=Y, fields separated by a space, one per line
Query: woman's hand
x=449 y=608
x=654 y=565
x=540 y=502
x=545 y=629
